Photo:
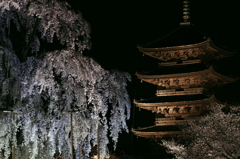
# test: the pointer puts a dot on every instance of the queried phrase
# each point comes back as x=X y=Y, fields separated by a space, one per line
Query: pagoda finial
x=186 y=13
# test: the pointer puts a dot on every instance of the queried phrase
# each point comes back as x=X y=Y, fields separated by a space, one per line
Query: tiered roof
x=184 y=78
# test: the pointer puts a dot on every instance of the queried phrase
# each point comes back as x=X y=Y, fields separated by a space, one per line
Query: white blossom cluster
x=45 y=93
x=216 y=135
x=49 y=18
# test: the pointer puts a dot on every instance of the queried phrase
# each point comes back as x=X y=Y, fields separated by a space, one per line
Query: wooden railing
x=185 y=91
x=182 y=63
x=173 y=120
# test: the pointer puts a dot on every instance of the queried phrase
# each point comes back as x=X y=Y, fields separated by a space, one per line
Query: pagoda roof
x=183 y=35
x=185 y=43
x=163 y=99
x=208 y=43
x=157 y=131
x=188 y=106
x=173 y=100
x=198 y=78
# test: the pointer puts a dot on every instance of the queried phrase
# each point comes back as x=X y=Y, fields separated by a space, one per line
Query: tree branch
x=27 y=46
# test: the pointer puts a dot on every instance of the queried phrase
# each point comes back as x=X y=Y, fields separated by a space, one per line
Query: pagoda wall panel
x=181 y=54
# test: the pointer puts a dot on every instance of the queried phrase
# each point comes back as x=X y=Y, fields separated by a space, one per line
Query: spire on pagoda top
x=186 y=13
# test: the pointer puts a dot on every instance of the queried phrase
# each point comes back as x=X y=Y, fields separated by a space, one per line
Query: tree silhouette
x=53 y=100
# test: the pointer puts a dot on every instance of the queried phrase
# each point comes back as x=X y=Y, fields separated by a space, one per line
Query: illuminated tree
x=48 y=85
x=216 y=135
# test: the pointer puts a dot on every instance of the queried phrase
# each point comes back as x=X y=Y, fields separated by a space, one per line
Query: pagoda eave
x=192 y=107
x=203 y=49
x=142 y=76
x=224 y=53
x=190 y=46
x=181 y=80
x=140 y=103
x=157 y=135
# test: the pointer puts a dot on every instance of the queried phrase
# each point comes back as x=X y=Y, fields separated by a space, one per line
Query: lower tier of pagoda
x=163 y=128
x=172 y=113
x=176 y=105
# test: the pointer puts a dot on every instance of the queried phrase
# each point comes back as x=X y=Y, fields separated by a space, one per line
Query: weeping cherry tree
x=50 y=89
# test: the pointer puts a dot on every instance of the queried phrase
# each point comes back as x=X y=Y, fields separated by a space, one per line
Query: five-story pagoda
x=185 y=78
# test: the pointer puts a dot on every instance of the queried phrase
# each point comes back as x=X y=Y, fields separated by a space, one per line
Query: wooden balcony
x=175 y=92
x=187 y=62
x=173 y=121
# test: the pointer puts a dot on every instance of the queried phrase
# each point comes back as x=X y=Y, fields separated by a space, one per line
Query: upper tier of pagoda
x=185 y=43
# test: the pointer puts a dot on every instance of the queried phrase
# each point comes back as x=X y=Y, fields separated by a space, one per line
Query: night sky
x=117 y=27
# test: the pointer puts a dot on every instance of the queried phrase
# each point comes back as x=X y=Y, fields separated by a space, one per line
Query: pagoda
x=184 y=80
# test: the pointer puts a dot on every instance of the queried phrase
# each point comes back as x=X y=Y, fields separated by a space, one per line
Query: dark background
x=117 y=27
